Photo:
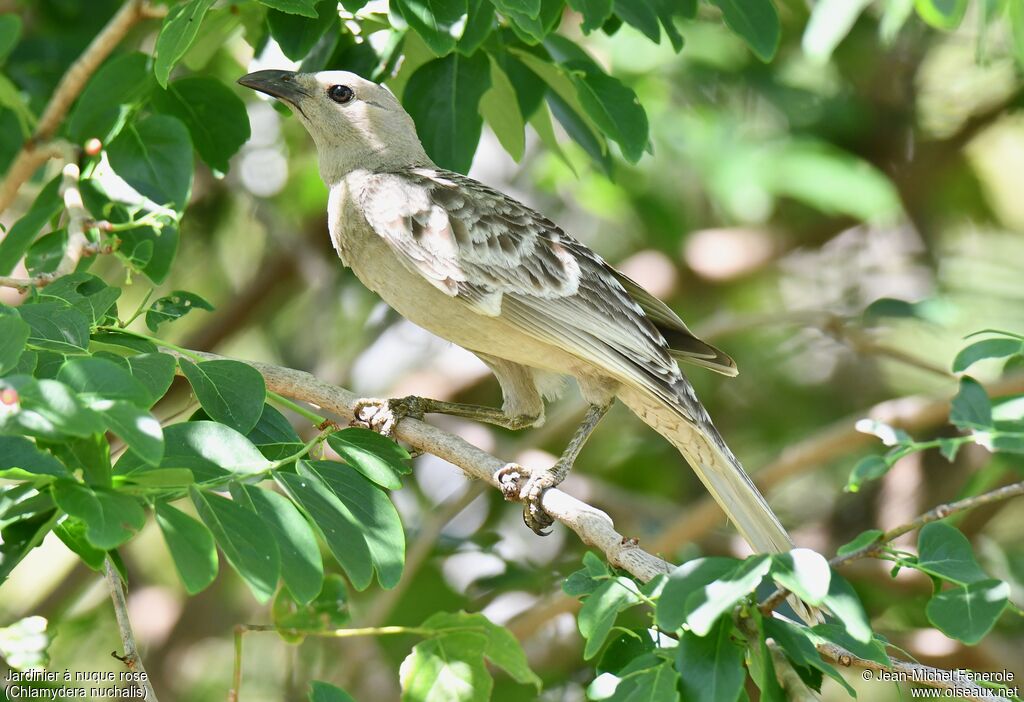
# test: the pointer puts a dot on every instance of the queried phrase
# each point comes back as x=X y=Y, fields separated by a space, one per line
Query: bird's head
x=354 y=122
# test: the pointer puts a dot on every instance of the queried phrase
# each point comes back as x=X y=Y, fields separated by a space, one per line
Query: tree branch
x=38 y=149
x=78 y=245
x=593 y=526
x=131 y=653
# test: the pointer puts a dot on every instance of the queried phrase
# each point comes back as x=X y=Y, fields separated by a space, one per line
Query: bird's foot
x=519 y=484
x=382 y=416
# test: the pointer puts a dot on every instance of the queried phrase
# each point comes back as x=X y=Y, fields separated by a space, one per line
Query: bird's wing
x=504 y=259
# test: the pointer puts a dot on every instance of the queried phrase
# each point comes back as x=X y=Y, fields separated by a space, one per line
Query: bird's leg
x=383 y=415
x=533 y=489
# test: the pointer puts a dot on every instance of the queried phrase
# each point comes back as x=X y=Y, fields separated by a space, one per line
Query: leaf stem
x=295 y=407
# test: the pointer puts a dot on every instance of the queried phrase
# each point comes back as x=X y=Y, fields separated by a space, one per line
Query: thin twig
x=933 y=515
x=913 y=673
x=131 y=653
x=37 y=150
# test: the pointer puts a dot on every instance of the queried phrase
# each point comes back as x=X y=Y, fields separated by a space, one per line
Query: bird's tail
x=720 y=471
x=723 y=476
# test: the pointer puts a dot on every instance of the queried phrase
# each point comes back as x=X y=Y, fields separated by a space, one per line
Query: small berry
x=93 y=147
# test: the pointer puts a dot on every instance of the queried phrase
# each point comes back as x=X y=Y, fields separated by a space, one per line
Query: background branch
x=130 y=656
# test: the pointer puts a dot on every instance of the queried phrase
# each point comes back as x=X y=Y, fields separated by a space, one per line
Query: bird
x=484 y=271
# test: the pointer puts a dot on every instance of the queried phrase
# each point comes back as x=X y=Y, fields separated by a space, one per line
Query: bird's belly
x=377 y=267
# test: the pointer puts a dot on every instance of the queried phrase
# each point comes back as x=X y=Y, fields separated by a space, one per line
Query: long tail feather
x=722 y=475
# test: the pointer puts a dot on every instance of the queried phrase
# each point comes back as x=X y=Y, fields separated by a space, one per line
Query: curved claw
x=382 y=416
x=519 y=485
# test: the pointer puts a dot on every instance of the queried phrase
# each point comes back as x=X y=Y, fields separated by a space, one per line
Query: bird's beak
x=279 y=84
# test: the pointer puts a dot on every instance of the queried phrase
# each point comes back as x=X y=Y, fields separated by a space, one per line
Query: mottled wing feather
x=501 y=257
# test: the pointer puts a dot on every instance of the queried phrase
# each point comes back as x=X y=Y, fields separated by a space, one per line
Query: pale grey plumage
x=492 y=275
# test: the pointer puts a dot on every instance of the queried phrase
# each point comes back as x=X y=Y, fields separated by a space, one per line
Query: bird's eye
x=340 y=93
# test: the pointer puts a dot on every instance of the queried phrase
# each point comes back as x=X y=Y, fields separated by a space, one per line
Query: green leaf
x=56 y=326
x=20 y=536
x=872 y=651
x=85 y=293
x=532 y=28
x=302 y=567
x=613 y=107
x=968 y=613
x=867 y=469
x=756 y=22
x=478 y=26
x=191 y=546
x=804 y=573
x=502 y=649
x=709 y=603
x=21 y=459
x=215 y=117
x=118 y=87
x=11 y=97
x=601 y=608
x=971 y=408
x=325 y=692
x=179 y=30
x=447 y=668
x=942 y=14
x=296 y=34
x=843 y=602
x=100 y=379
x=231 y=392
x=155 y=371
x=863 y=539
x=110 y=518
x=640 y=15
x=377 y=457
x=245 y=539
x=71 y=532
x=274 y=435
x=13 y=246
x=438 y=22
x=174 y=306
x=501 y=110
x=46 y=252
x=443 y=98
x=154 y=156
x=339 y=529
x=945 y=552
x=139 y=430
x=799 y=648
x=529 y=8
x=306 y=8
x=667 y=11
x=50 y=409
x=986 y=348
x=711 y=666
x=14 y=333
x=209 y=449
x=595 y=13
x=328 y=611
x=658 y=683
x=372 y=510
x=689 y=578
x=10 y=30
